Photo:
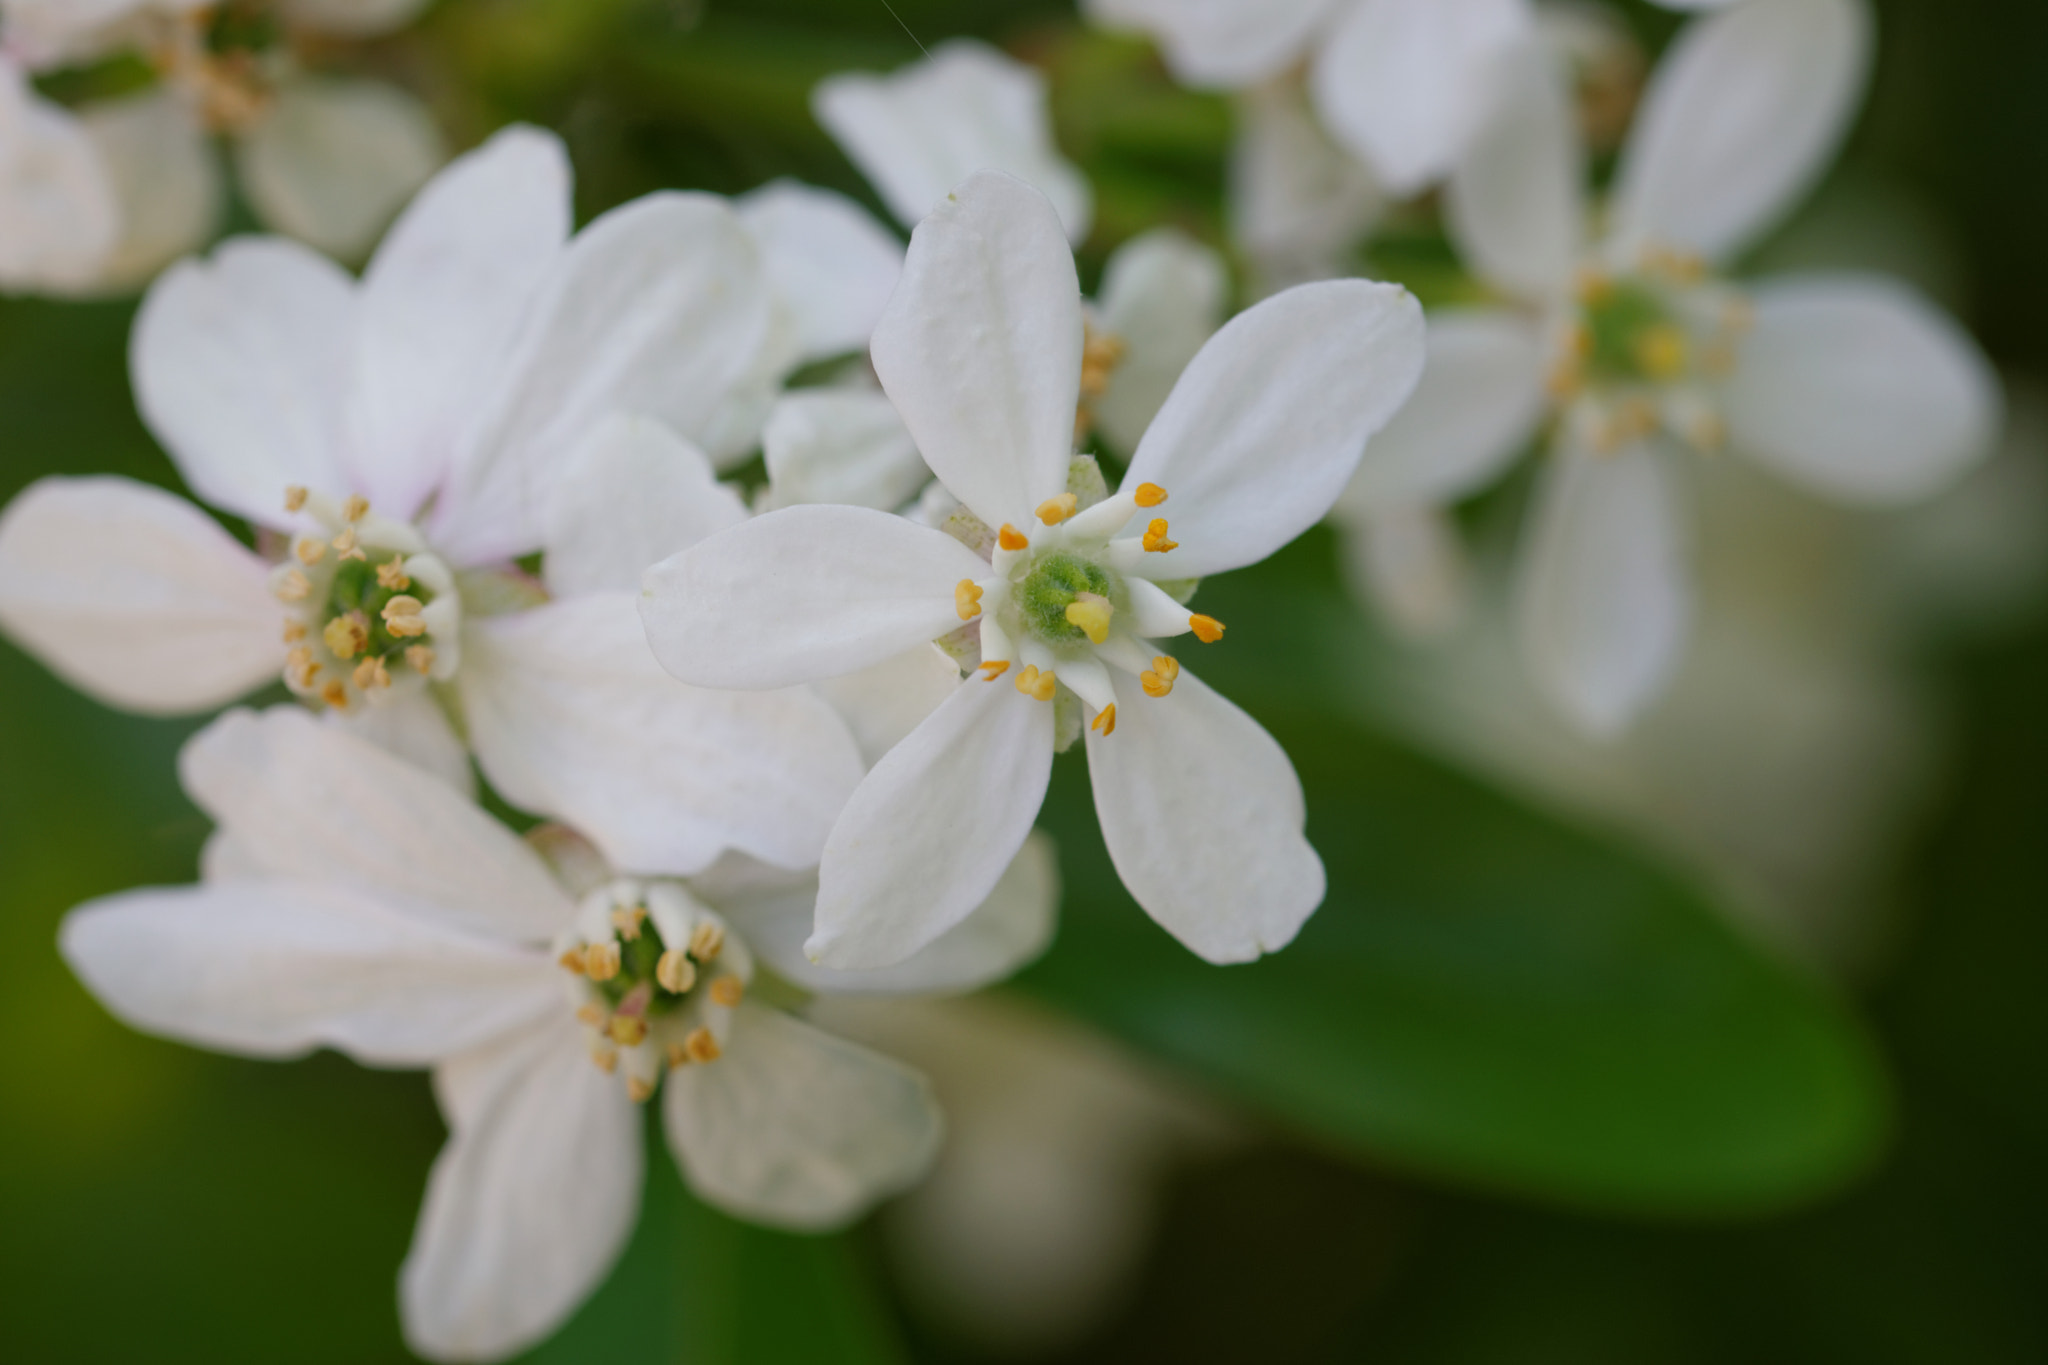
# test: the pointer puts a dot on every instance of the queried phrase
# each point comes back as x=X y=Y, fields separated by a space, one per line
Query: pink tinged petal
x=926 y=838
x=241 y=363
x=412 y=726
x=832 y=265
x=980 y=347
x=1219 y=44
x=1516 y=199
x=841 y=445
x=632 y=494
x=167 y=177
x=882 y=703
x=1605 y=599
x=1163 y=295
x=1742 y=116
x=1203 y=817
x=1404 y=83
x=572 y=718
x=275 y=968
x=801 y=594
x=1268 y=422
x=441 y=301
x=1475 y=409
x=798 y=1128
x=530 y=1202
x=332 y=807
x=135 y=596
x=1858 y=388
x=658 y=308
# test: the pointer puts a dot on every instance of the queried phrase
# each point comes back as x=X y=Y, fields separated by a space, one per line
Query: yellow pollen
x=335 y=695
x=309 y=550
x=1159 y=678
x=993 y=669
x=628 y=922
x=601 y=961
x=592 y=1014
x=371 y=673
x=967 y=599
x=678 y=1055
x=393 y=575
x=571 y=960
x=1101 y=353
x=346 y=544
x=1155 y=539
x=675 y=972
x=1034 y=684
x=300 y=668
x=1090 y=615
x=294 y=498
x=1661 y=351
x=1053 y=511
x=402 y=616
x=421 y=658
x=705 y=941
x=293 y=587
x=606 y=1060
x=639 y=1090
x=294 y=631
x=356 y=508
x=347 y=635
x=1105 y=720
x=701 y=1046
x=1207 y=629
x=1150 y=495
x=627 y=1030
x=1010 y=538
x=726 y=991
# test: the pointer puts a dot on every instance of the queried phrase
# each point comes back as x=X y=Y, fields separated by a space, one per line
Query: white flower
x=1850 y=385
x=917 y=133
x=353 y=902
x=981 y=350
x=1299 y=203
x=402 y=438
x=59 y=217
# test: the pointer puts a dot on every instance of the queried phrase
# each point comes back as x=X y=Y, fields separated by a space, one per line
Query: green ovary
x=1053 y=585
x=1631 y=335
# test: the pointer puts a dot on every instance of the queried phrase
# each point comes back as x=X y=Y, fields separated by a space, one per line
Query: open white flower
x=401 y=438
x=1852 y=386
x=351 y=901
x=981 y=351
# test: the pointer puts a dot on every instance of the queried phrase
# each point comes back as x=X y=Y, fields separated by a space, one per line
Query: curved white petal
x=333 y=160
x=135 y=596
x=1219 y=44
x=413 y=726
x=1267 y=424
x=167 y=178
x=1516 y=199
x=241 y=364
x=1163 y=295
x=334 y=808
x=797 y=1127
x=1605 y=597
x=1476 y=407
x=1742 y=115
x=659 y=308
x=926 y=838
x=1405 y=82
x=441 y=301
x=840 y=445
x=63 y=216
x=1859 y=388
x=1299 y=203
x=920 y=131
x=884 y=702
x=572 y=718
x=803 y=593
x=1203 y=815
x=632 y=494
x=828 y=259
x=277 y=968
x=1410 y=565
x=980 y=348
x=529 y=1203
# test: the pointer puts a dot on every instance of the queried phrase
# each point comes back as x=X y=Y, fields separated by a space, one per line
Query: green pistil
x=355 y=588
x=1617 y=322
x=638 y=958
x=1053 y=585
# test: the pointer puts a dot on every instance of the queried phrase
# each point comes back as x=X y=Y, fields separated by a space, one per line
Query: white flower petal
x=1858 y=388
x=1516 y=199
x=1267 y=424
x=277 y=968
x=530 y=1202
x=944 y=812
x=1410 y=565
x=1404 y=83
x=980 y=348
x=883 y=703
x=166 y=176
x=1299 y=203
x=1203 y=816
x=135 y=596
x=240 y=364
x=413 y=726
x=803 y=593
x=441 y=301
x=572 y=718
x=1605 y=594
x=828 y=259
x=841 y=445
x=1476 y=407
x=796 y=1127
x=334 y=808
x=917 y=133
x=1219 y=44
x=1163 y=294
x=63 y=216
x=632 y=494
x=1742 y=115
x=658 y=308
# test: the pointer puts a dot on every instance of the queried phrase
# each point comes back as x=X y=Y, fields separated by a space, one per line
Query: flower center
x=1062 y=595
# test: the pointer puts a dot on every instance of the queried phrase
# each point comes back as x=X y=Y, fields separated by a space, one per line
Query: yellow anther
x=701 y=1046
x=675 y=972
x=1150 y=495
x=309 y=551
x=592 y=1014
x=1661 y=351
x=726 y=991
x=300 y=669
x=335 y=694
x=294 y=631
x=346 y=544
x=371 y=674
x=1090 y=615
x=1207 y=629
x=1010 y=538
x=967 y=599
x=421 y=657
x=1158 y=680
x=639 y=1089
x=601 y=961
x=347 y=636
x=1155 y=539
x=393 y=575
x=1101 y=353
x=293 y=587
x=678 y=1055
x=572 y=960
x=706 y=940
x=1105 y=720
x=628 y=1030
x=1053 y=511
x=605 y=1059
x=294 y=498
x=993 y=669
x=1034 y=684
x=356 y=508
x=628 y=922
x=402 y=616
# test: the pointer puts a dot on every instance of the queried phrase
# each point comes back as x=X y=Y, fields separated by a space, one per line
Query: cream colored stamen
x=347 y=636
x=628 y=922
x=371 y=674
x=294 y=498
x=675 y=971
x=402 y=616
x=421 y=657
x=571 y=960
x=392 y=575
x=356 y=508
x=701 y=1046
x=639 y=1090
x=706 y=940
x=601 y=961
x=726 y=991
x=310 y=551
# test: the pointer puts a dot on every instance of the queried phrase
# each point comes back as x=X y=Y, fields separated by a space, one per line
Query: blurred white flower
x=353 y=902
x=401 y=438
x=59 y=217
x=981 y=351
x=1299 y=203
x=1851 y=385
